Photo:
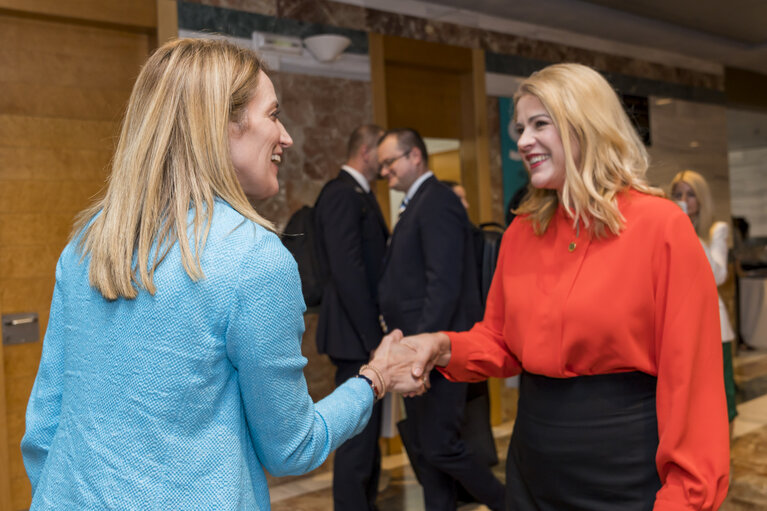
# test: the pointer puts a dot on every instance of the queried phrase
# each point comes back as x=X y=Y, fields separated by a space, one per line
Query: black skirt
x=584 y=443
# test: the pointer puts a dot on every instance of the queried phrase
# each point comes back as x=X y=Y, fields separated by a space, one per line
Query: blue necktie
x=403 y=205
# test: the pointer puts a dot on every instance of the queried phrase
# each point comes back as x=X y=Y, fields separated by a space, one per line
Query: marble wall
x=748 y=187
x=689 y=135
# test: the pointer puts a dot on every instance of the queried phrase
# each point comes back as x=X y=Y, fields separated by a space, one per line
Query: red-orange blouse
x=641 y=301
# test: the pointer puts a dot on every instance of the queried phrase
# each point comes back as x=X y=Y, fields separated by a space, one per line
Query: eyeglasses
x=388 y=162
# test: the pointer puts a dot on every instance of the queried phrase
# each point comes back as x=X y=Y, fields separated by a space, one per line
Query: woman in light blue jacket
x=171 y=373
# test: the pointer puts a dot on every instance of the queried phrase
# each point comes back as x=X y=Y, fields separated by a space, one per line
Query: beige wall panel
x=74 y=42
x=5 y=480
x=28 y=261
x=22 y=359
x=34 y=228
x=427 y=55
x=141 y=14
x=423 y=99
x=59 y=61
x=63 y=88
x=496 y=167
x=17 y=392
x=53 y=164
x=29 y=294
x=476 y=170
x=39 y=132
x=378 y=90
x=15 y=434
x=46 y=196
x=69 y=102
x=446 y=165
x=167 y=20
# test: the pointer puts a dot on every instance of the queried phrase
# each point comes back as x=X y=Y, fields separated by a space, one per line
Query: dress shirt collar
x=357 y=175
x=417 y=184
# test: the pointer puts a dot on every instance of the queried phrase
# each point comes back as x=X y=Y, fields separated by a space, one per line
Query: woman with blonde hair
x=603 y=300
x=171 y=373
x=691 y=191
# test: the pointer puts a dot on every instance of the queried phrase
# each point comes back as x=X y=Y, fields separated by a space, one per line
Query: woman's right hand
x=405 y=363
x=431 y=350
x=394 y=361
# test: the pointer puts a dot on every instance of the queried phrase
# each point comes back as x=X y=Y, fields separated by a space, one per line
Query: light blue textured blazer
x=181 y=400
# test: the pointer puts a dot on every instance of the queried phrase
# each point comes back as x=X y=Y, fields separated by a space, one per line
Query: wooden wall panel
x=439 y=90
x=5 y=479
x=63 y=88
x=137 y=14
x=446 y=165
x=427 y=100
x=378 y=86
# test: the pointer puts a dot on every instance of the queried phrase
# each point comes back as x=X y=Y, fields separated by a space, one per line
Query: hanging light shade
x=327 y=47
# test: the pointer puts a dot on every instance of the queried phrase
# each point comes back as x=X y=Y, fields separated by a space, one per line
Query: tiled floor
x=400 y=490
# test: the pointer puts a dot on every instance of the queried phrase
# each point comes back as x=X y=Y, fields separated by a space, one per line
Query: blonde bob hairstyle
x=705 y=217
x=587 y=112
x=172 y=158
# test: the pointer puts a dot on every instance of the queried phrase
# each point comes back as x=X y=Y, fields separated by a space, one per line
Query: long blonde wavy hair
x=705 y=217
x=586 y=111
x=172 y=157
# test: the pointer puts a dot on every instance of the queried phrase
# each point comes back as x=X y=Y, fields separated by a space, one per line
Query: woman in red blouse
x=604 y=301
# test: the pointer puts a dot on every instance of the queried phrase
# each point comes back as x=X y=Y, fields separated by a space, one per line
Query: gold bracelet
x=378 y=374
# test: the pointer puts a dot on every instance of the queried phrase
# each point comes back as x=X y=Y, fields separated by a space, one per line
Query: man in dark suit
x=429 y=284
x=353 y=235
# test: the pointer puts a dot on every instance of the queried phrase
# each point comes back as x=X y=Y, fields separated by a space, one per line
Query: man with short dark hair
x=352 y=236
x=428 y=284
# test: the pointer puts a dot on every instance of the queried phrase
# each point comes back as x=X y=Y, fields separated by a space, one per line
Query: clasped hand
x=405 y=362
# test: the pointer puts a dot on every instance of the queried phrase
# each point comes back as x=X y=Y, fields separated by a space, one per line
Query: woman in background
x=171 y=374
x=690 y=190
x=604 y=302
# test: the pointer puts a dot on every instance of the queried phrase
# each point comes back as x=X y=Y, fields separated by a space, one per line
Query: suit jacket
x=429 y=280
x=352 y=235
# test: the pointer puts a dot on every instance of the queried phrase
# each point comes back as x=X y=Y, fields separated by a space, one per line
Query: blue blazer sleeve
x=290 y=434
x=44 y=407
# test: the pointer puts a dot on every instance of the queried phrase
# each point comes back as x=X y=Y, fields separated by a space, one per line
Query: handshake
x=402 y=364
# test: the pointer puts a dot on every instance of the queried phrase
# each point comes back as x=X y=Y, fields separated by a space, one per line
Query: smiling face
x=541 y=144
x=256 y=143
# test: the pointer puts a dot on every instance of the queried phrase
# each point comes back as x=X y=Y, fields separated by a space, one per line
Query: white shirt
x=417 y=184
x=716 y=252
x=357 y=175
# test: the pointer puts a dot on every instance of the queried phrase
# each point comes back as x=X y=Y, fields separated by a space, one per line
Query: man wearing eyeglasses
x=428 y=284
x=352 y=236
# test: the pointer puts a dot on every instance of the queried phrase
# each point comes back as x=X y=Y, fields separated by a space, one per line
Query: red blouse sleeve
x=693 y=451
x=482 y=352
